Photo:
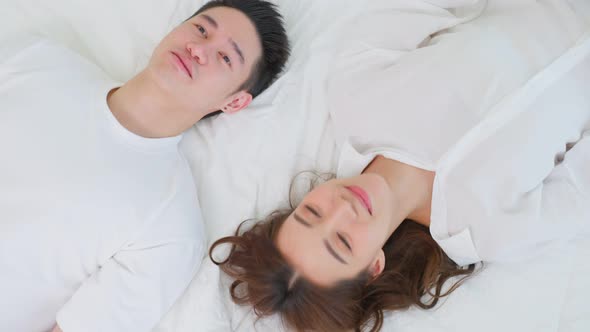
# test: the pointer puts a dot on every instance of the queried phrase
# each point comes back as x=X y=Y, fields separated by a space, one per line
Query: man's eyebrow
x=238 y=50
x=235 y=46
x=210 y=20
x=333 y=253
x=301 y=220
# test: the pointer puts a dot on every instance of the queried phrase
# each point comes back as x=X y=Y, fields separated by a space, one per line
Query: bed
x=243 y=164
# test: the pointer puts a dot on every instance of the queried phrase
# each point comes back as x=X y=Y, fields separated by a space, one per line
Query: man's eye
x=226 y=59
x=201 y=30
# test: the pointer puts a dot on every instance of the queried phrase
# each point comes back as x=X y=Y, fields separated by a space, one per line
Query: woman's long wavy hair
x=416 y=269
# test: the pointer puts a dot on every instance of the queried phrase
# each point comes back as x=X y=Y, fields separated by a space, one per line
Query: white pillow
x=119 y=36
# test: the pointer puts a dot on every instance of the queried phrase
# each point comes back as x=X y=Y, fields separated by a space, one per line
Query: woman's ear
x=237 y=102
x=378 y=264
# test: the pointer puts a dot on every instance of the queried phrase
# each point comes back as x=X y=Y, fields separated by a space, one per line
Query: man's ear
x=237 y=102
x=377 y=265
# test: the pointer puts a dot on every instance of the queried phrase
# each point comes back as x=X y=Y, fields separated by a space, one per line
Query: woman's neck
x=411 y=188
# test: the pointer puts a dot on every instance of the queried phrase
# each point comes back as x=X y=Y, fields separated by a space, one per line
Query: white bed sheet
x=243 y=164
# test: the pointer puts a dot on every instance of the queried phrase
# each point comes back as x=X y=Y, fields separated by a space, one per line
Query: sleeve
x=577 y=161
x=136 y=287
x=508 y=223
x=566 y=190
x=502 y=183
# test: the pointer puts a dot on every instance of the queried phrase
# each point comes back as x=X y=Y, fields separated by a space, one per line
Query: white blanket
x=243 y=164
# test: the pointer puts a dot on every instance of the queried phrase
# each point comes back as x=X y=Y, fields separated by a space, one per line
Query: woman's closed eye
x=344 y=241
x=314 y=211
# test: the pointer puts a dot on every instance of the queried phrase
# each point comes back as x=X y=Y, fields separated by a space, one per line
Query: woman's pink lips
x=186 y=68
x=362 y=196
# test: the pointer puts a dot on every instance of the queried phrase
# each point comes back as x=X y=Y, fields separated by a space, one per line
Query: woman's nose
x=341 y=213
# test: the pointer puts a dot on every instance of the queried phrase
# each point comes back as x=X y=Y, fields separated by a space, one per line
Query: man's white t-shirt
x=100 y=229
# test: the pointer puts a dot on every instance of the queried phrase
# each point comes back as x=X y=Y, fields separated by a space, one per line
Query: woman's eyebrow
x=333 y=252
x=301 y=220
x=328 y=246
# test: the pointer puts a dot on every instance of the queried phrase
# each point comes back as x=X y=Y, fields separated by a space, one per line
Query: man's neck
x=140 y=106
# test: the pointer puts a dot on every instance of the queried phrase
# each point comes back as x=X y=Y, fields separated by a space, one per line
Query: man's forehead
x=209 y=19
x=228 y=19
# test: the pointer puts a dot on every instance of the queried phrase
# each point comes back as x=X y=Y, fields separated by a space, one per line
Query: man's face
x=201 y=63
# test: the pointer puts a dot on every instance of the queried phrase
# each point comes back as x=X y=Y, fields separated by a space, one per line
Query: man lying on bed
x=100 y=228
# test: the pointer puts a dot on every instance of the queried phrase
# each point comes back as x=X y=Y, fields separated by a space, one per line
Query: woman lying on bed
x=422 y=194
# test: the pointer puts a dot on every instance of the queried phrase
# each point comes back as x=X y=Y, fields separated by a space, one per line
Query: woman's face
x=338 y=229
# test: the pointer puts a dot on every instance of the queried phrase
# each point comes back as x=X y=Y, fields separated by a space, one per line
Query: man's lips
x=184 y=64
x=363 y=197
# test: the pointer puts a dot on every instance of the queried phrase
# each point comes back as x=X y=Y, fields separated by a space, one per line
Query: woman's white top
x=490 y=113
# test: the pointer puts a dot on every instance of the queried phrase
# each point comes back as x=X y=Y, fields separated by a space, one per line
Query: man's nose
x=198 y=52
